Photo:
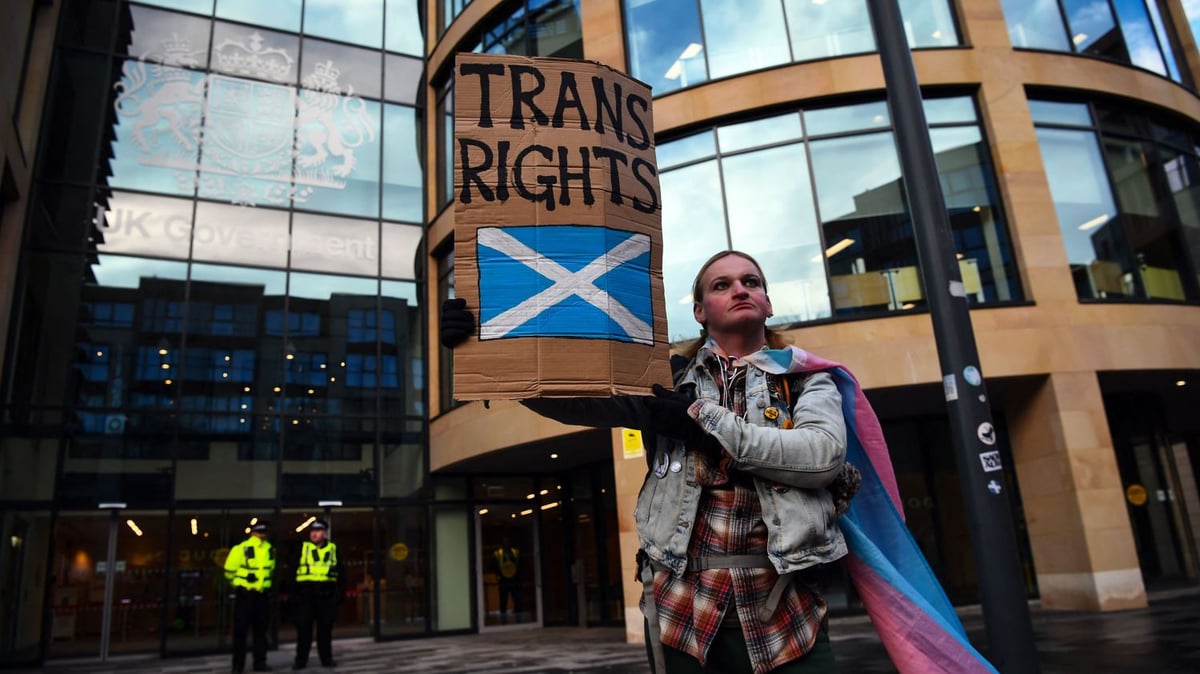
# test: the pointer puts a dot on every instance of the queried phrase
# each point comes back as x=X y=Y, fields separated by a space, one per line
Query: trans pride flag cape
x=907 y=605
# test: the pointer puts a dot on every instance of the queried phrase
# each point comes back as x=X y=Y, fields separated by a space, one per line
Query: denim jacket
x=790 y=467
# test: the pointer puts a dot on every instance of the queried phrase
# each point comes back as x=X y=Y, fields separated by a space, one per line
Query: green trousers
x=728 y=655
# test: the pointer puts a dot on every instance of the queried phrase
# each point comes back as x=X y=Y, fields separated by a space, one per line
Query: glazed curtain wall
x=1125 y=188
x=1128 y=31
x=816 y=197
x=673 y=44
x=219 y=294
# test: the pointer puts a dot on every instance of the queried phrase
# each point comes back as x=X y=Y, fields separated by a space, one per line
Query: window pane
x=1093 y=29
x=265 y=282
x=868 y=235
x=281 y=14
x=1128 y=165
x=928 y=23
x=337 y=154
x=771 y=217
x=666 y=50
x=400 y=246
x=846 y=118
x=744 y=36
x=348 y=70
x=140 y=224
x=1036 y=24
x=402 y=378
x=405 y=537
x=686 y=149
x=693 y=230
x=240 y=235
x=245 y=51
x=1051 y=112
x=555 y=29
x=986 y=260
x=402 y=174
x=1164 y=40
x=248 y=140
x=759 y=132
x=401 y=78
x=1086 y=212
x=1151 y=236
x=404 y=28
x=820 y=30
x=949 y=110
x=1140 y=38
x=158 y=121
x=170 y=38
x=325 y=243
x=332 y=367
x=353 y=21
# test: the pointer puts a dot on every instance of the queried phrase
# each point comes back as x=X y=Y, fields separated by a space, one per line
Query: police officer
x=248 y=568
x=318 y=590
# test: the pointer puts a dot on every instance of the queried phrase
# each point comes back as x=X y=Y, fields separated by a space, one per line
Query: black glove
x=844 y=487
x=457 y=323
x=670 y=414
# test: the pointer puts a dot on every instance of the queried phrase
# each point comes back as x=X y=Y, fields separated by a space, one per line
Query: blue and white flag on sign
x=564 y=281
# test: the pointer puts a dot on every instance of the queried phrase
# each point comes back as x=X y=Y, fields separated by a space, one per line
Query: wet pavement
x=1162 y=638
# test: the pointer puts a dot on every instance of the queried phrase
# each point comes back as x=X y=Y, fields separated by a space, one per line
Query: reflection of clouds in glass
x=353 y=21
x=1079 y=187
x=282 y=14
x=1089 y=22
x=400 y=290
x=116 y=271
x=845 y=169
x=403 y=28
x=322 y=287
x=1140 y=39
x=693 y=229
x=272 y=282
x=742 y=36
x=1192 y=9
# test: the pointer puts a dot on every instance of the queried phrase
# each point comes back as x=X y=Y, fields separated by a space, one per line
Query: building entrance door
x=108 y=583
x=509 y=573
x=1153 y=496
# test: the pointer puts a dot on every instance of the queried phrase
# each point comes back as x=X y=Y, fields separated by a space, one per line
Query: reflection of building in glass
x=226 y=224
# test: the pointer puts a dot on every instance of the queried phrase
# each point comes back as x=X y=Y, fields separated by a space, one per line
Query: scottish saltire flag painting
x=564 y=281
x=557 y=230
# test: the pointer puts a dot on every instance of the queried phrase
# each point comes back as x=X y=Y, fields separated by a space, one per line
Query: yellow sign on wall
x=399 y=552
x=1136 y=494
x=632 y=441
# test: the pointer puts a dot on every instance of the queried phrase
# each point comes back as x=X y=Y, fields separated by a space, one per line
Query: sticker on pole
x=990 y=461
x=986 y=433
x=994 y=487
x=971 y=374
x=950 y=386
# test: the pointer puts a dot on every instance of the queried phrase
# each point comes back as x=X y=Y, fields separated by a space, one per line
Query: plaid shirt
x=729 y=521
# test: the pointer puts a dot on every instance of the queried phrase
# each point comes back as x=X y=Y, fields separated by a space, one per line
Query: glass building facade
x=239 y=219
x=219 y=318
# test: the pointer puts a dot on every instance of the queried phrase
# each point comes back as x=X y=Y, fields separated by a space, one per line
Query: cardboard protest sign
x=557 y=230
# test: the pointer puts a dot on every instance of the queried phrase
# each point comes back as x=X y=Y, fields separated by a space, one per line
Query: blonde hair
x=775 y=340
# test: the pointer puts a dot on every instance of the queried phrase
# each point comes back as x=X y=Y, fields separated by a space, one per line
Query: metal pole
x=1001 y=579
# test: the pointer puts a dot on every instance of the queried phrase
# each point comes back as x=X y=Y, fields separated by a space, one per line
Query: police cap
x=319 y=525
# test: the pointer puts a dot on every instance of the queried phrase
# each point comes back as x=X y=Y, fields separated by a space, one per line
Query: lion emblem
x=318 y=134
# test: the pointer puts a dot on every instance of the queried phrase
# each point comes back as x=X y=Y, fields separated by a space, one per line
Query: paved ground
x=1162 y=638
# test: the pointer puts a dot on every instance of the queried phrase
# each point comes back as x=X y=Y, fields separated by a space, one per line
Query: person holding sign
x=747 y=478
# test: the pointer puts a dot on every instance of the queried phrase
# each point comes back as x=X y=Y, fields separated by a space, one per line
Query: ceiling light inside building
x=1181 y=382
x=835 y=249
x=1094 y=222
x=1079 y=38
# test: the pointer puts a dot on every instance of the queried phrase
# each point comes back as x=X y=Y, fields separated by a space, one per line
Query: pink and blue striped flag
x=905 y=601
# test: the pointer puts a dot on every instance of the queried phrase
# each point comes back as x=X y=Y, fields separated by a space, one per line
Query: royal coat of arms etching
x=242 y=132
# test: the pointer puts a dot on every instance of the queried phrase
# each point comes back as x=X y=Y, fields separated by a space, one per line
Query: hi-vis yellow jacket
x=317 y=564
x=250 y=565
